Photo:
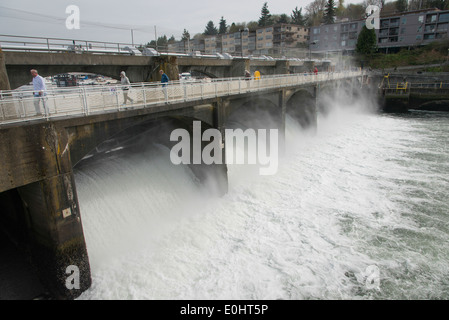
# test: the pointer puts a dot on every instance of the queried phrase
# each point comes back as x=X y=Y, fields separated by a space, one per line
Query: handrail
x=19 y=106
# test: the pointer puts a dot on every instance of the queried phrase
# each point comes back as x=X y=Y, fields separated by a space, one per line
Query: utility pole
x=132 y=37
x=155 y=36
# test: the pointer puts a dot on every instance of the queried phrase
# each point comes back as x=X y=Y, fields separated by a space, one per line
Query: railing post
x=116 y=98
x=144 y=95
x=2 y=106
x=86 y=111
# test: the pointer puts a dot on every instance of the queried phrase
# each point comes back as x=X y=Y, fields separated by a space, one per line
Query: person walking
x=164 y=80
x=125 y=83
x=247 y=78
x=39 y=92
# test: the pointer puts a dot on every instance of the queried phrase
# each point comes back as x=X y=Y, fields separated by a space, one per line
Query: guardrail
x=20 y=106
x=433 y=85
x=28 y=44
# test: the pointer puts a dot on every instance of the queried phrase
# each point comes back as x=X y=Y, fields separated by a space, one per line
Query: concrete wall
x=4 y=80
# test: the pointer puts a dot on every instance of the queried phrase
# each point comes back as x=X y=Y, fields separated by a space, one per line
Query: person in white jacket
x=39 y=92
x=125 y=83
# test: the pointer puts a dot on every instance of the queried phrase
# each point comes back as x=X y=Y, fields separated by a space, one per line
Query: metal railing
x=20 y=106
x=29 y=44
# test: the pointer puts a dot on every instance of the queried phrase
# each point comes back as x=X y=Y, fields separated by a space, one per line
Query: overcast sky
x=112 y=20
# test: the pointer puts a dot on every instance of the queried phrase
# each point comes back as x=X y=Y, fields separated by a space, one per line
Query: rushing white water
x=366 y=191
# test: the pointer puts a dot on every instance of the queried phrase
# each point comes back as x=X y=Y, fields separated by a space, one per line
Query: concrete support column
x=57 y=242
x=283 y=107
x=167 y=63
x=238 y=67
x=36 y=160
x=4 y=80
x=282 y=67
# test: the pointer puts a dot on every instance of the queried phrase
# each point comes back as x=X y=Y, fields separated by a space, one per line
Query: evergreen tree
x=185 y=35
x=283 y=18
x=210 y=29
x=223 y=28
x=265 y=17
x=401 y=5
x=329 y=12
x=366 y=41
x=297 y=17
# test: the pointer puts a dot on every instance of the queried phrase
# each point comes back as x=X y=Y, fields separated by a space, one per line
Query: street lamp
x=310 y=49
x=241 y=39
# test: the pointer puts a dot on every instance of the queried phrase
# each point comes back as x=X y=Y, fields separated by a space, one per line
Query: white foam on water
x=336 y=206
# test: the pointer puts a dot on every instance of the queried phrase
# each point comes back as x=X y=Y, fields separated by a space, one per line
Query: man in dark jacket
x=164 y=81
x=164 y=78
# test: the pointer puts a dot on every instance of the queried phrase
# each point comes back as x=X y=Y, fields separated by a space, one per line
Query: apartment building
x=268 y=40
x=399 y=30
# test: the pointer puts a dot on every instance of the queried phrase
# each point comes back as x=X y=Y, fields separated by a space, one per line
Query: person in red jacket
x=315 y=71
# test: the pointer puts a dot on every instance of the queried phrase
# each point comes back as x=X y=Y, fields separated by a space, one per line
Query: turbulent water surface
x=357 y=211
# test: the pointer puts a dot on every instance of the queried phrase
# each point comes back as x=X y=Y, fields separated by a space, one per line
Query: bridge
x=38 y=198
x=51 y=56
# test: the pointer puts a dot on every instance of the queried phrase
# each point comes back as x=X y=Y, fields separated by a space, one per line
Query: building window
x=394 y=22
x=393 y=39
x=442 y=27
x=353 y=26
x=429 y=28
x=383 y=40
x=401 y=39
x=269 y=29
x=404 y=20
x=335 y=28
x=429 y=36
x=421 y=19
x=326 y=29
x=418 y=37
x=343 y=43
x=394 y=31
x=402 y=30
x=444 y=17
x=431 y=18
x=316 y=31
x=384 y=23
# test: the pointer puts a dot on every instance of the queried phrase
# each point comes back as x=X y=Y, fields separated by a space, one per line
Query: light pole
x=310 y=48
x=241 y=39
